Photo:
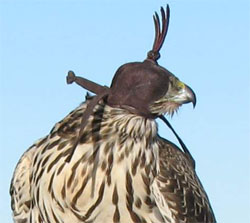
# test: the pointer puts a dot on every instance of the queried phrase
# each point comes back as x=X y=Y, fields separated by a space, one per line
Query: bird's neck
x=130 y=140
x=130 y=125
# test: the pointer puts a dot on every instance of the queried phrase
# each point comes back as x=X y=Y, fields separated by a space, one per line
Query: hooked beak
x=185 y=95
x=190 y=95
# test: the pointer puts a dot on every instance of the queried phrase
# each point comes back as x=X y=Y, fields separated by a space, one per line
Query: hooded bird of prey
x=105 y=161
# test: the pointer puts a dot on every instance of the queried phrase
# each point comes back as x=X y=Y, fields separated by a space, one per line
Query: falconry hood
x=137 y=86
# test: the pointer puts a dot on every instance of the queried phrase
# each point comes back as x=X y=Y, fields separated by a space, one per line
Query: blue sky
x=207 y=47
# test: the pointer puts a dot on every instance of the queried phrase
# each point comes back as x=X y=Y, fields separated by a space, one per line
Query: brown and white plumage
x=180 y=188
x=105 y=161
x=116 y=174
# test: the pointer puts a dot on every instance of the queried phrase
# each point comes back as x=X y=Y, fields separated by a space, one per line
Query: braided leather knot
x=152 y=55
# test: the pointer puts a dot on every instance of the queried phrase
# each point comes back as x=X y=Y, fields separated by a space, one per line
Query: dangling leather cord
x=185 y=149
x=101 y=91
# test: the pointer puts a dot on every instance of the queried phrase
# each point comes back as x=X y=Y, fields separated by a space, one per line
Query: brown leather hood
x=137 y=85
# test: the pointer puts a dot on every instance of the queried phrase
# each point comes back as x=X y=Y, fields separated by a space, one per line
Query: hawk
x=105 y=161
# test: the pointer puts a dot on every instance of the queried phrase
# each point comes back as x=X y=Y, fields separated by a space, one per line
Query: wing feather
x=178 y=190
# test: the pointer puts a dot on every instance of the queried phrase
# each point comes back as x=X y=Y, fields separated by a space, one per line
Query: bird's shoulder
x=20 y=185
x=179 y=186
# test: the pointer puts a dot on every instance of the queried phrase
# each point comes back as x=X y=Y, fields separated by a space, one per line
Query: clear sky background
x=207 y=47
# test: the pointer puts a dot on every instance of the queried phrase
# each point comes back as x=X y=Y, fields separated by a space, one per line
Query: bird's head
x=147 y=89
